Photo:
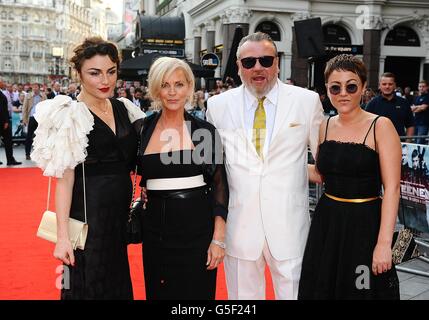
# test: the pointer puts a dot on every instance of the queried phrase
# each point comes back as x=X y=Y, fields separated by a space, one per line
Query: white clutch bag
x=78 y=230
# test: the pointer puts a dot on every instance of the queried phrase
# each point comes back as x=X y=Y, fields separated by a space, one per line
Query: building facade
x=388 y=35
x=98 y=14
x=38 y=36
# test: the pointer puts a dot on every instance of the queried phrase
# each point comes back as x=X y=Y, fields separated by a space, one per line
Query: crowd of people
x=22 y=99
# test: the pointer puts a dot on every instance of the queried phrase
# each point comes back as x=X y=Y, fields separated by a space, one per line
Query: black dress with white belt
x=178 y=223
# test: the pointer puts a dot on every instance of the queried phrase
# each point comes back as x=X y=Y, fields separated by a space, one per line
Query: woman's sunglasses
x=265 y=61
x=336 y=89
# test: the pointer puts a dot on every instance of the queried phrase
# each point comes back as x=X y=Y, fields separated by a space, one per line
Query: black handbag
x=134 y=224
x=404 y=247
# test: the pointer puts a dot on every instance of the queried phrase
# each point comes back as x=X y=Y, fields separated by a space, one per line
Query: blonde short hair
x=162 y=68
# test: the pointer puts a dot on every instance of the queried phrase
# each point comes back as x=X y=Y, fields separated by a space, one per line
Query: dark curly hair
x=346 y=62
x=91 y=47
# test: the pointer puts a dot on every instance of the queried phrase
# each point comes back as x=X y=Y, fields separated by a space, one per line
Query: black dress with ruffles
x=102 y=271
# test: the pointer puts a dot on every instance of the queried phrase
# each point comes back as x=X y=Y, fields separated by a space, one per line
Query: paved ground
x=412 y=287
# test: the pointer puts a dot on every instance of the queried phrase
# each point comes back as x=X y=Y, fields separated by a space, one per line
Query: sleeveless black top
x=349 y=169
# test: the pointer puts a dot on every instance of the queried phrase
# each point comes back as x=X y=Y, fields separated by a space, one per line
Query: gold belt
x=351 y=200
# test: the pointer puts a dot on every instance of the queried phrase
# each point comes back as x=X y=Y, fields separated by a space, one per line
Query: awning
x=200 y=72
x=160 y=27
x=138 y=68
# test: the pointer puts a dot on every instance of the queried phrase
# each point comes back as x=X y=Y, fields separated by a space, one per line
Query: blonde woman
x=183 y=172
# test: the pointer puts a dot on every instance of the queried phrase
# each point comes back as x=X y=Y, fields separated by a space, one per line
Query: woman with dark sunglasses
x=348 y=253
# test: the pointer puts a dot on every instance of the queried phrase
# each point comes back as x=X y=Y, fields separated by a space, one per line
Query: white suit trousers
x=245 y=279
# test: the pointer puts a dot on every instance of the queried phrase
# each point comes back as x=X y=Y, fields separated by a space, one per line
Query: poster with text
x=414 y=204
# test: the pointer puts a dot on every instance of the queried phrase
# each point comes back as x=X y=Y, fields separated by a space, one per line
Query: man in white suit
x=268 y=218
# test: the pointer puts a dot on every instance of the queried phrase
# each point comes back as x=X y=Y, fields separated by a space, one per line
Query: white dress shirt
x=136 y=102
x=270 y=106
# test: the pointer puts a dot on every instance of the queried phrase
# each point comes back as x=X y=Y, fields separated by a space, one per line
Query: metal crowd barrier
x=412 y=139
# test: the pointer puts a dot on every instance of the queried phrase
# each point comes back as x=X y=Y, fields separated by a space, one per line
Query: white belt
x=175 y=183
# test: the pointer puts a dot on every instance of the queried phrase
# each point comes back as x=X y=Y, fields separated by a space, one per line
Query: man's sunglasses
x=265 y=61
x=336 y=88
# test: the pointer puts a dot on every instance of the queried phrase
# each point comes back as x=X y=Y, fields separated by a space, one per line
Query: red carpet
x=27 y=266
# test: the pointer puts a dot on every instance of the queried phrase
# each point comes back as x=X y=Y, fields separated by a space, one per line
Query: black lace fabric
x=343 y=235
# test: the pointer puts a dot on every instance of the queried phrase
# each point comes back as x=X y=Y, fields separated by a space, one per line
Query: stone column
x=371 y=48
x=197 y=45
x=371 y=56
x=381 y=69
x=231 y=19
x=210 y=36
x=285 y=64
x=422 y=24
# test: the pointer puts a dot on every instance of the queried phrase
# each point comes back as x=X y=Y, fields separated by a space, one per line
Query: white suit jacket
x=268 y=197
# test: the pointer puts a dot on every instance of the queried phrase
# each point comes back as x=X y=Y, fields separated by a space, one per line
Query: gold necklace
x=106 y=112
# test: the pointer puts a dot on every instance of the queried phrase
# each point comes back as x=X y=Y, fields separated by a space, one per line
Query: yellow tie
x=259 y=127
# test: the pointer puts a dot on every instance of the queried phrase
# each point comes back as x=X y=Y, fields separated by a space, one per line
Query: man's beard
x=252 y=90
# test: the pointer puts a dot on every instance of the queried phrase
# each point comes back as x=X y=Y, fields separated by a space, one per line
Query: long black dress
x=178 y=225
x=177 y=234
x=343 y=235
x=101 y=270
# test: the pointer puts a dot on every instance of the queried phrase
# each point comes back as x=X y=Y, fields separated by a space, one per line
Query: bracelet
x=219 y=243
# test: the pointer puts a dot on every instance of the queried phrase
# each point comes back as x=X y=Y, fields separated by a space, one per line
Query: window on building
x=8 y=46
x=24 y=31
x=335 y=34
x=24 y=64
x=7 y=64
x=24 y=16
x=402 y=36
x=3 y=15
x=270 y=28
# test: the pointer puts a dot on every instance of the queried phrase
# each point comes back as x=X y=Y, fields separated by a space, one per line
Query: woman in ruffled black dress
x=348 y=253
x=101 y=270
